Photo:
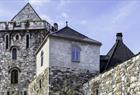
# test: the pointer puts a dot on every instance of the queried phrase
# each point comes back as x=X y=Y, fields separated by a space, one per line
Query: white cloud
x=38 y=2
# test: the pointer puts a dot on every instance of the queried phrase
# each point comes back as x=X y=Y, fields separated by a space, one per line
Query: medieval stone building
x=19 y=39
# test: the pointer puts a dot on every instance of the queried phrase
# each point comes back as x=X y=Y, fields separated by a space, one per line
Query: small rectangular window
x=75 y=55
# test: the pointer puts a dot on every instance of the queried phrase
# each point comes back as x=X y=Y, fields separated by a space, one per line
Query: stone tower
x=19 y=39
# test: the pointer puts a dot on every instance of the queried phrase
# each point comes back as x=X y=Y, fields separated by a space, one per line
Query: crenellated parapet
x=25 y=25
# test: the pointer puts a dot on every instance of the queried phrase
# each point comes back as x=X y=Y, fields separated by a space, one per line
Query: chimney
x=119 y=37
x=55 y=26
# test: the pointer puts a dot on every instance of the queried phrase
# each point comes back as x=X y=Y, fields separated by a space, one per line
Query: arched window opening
x=75 y=54
x=14 y=53
x=42 y=55
x=7 y=41
x=27 y=41
x=14 y=76
x=17 y=37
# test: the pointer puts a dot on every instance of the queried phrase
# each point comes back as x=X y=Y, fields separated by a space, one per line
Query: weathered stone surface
x=34 y=87
x=62 y=81
x=121 y=80
x=25 y=59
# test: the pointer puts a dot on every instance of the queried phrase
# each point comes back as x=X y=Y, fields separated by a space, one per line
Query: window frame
x=75 y=53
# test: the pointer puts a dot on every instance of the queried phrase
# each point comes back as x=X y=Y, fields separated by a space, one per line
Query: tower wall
x=25 y=62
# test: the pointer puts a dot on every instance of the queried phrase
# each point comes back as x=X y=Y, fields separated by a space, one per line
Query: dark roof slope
x=118 y=54
x=70 y=33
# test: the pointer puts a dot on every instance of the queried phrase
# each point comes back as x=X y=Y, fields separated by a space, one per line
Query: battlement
x=25 y=25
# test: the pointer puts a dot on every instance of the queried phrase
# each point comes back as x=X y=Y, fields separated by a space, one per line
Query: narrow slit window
x=25 y=92
x=14 y=76
x=14 y=53
x=40 y=84
x=7 y=41
x=97 y=92
x=42 y=58
x=27 y=41
x=8 y=93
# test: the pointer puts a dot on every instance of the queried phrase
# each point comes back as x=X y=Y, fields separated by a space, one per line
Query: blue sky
x=97 y=19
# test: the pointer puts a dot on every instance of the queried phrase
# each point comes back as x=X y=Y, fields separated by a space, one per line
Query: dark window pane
x=14 y=53
x=25 y=93
x=17 y=37
x=75 y=54
x=27 y=41
x=14 y=76
x=97 y=92
x=40 y=85
x=7 y=41
x=42 y=54
x=8 y=93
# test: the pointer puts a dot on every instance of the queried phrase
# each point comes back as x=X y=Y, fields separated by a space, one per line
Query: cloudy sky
x=97 y=19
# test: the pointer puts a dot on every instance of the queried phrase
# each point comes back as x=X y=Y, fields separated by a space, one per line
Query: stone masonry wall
x=124 y=79
x=60 y=54
x=62 y=81
x=40 y=85
x=25 y=61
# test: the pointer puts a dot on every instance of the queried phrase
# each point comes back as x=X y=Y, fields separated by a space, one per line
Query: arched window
x=27 y=41
x=42 y=55
x=75 y=53
x=14 y=53
x=7 y=41
x=17 y=37
x=14 y=76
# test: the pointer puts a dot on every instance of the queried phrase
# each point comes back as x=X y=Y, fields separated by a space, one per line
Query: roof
x=27 y=13
x=72 y=34
x=117 y=54
x=68 y=33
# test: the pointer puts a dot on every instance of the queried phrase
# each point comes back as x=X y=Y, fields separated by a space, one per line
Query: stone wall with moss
x=124 y=79
x=40 y=84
